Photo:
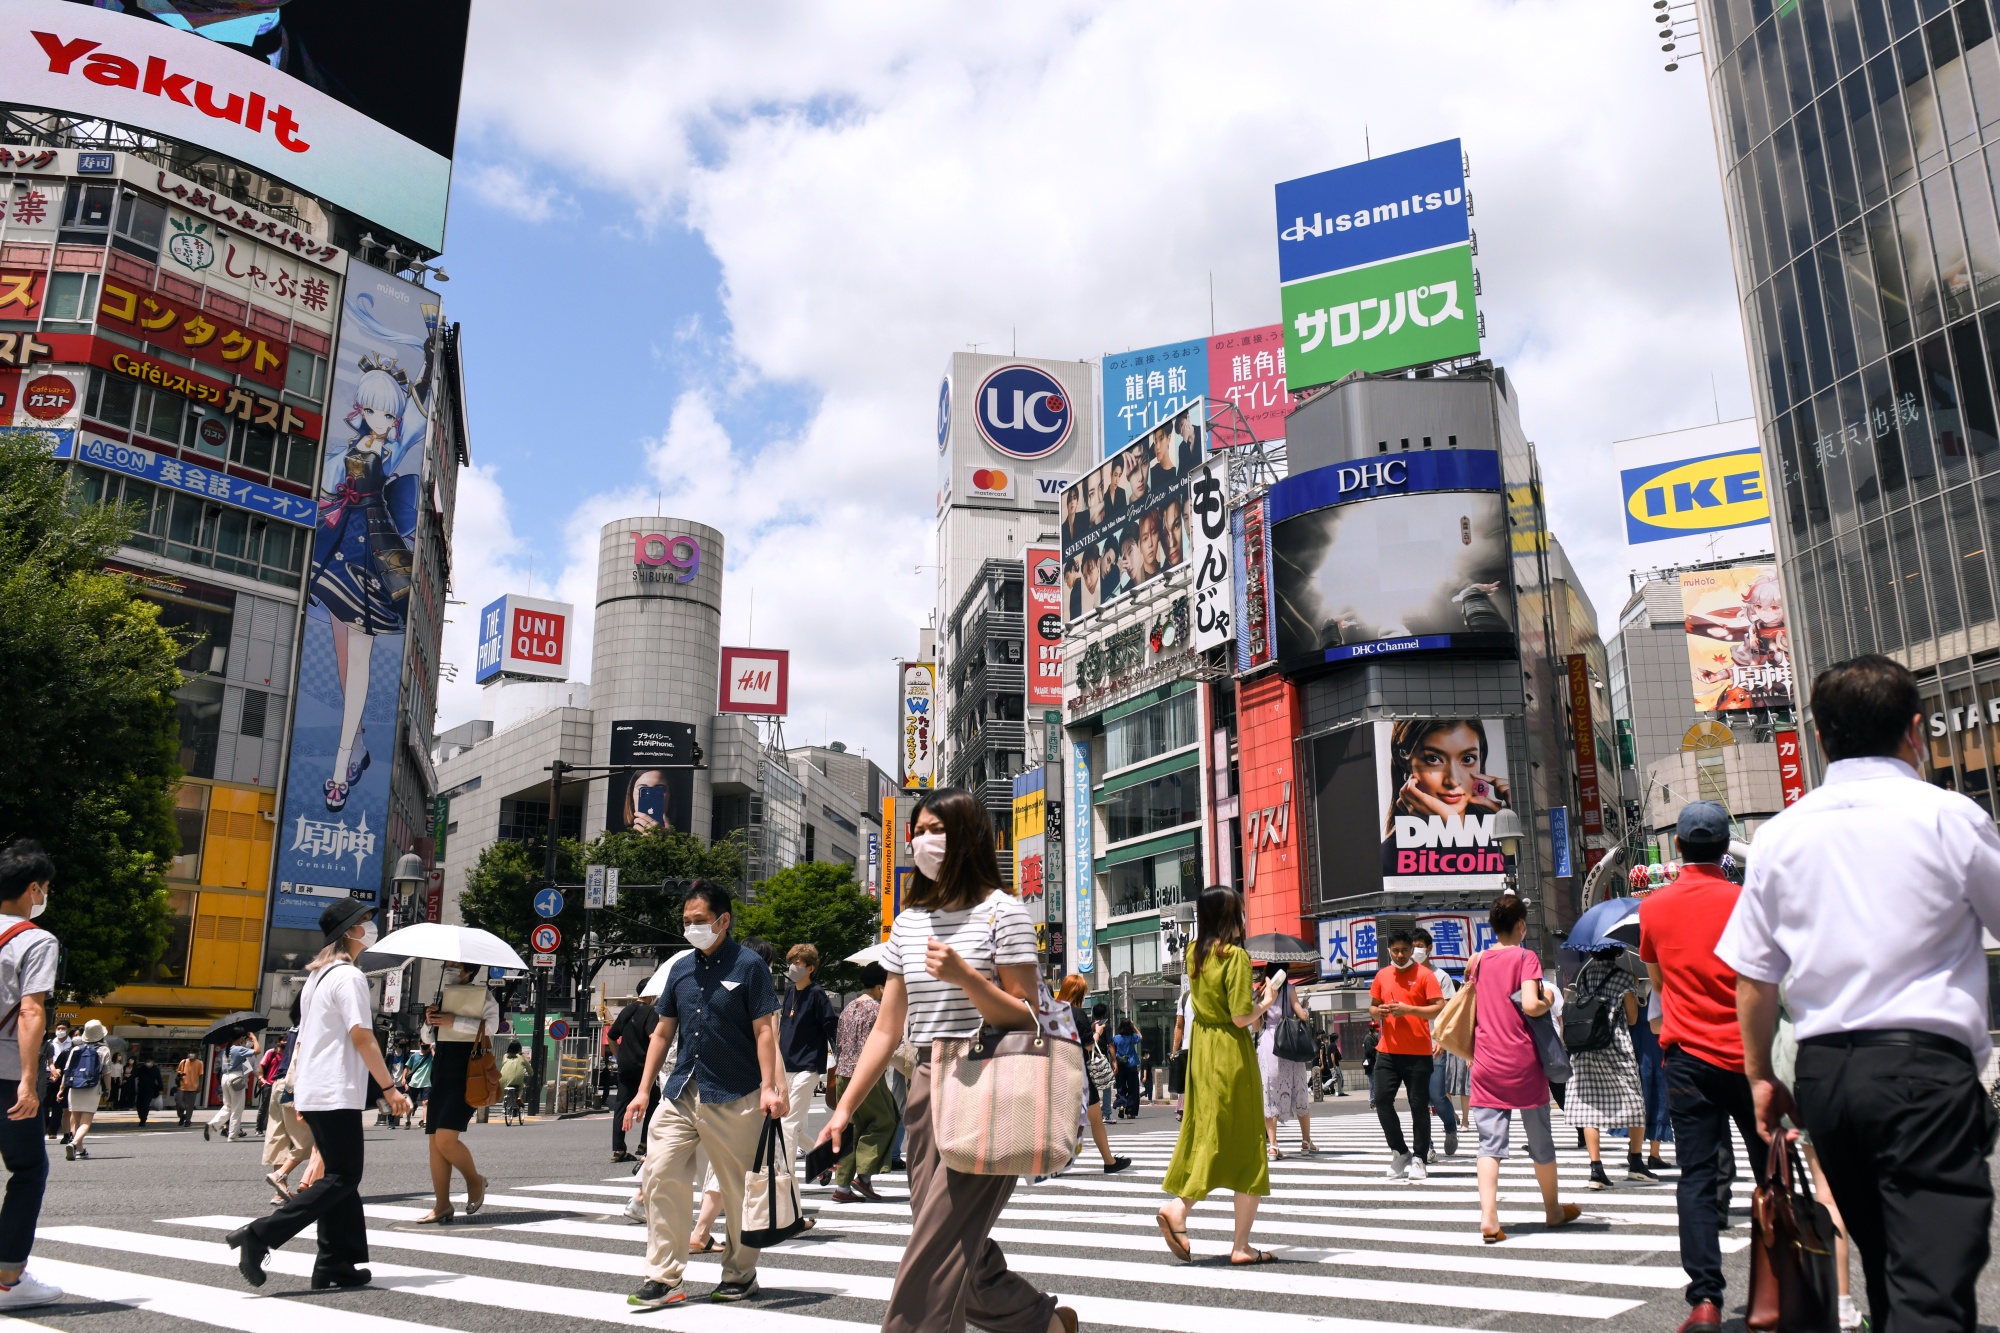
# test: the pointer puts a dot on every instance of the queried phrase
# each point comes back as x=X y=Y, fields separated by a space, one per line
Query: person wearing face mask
x=335 y=1056
x=1403 y=998
x=1450 y=1076
x=465 y=1013
x=27 y=976
x=630 y=1033
x=808 y=1025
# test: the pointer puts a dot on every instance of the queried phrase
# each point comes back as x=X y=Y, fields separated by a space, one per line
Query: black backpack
x=1587 y=1018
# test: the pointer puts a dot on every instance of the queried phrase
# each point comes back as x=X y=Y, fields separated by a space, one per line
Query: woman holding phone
x=960 y=957
x=646 y=801
x=466 y=1011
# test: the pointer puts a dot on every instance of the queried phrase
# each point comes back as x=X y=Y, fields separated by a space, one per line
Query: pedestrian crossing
x=1357 y=1253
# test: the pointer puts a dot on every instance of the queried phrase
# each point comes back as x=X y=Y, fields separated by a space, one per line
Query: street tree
x=818 y=904
x=87 y=722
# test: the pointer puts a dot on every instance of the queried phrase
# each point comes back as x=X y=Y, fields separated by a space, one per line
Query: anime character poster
x=1739 y=651
x=1441 y=783
x=334 y=837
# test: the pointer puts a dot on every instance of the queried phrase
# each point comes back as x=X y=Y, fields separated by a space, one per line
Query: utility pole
x=539 y=1061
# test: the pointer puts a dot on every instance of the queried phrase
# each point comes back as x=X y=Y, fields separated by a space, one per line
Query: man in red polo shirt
x=1706 y=1089
x=1404 y=998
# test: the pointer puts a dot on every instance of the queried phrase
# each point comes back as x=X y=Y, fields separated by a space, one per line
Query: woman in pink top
x=1506 y=1072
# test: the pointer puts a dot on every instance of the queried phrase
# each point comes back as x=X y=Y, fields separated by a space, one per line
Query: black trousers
x=333 y=1201
x=27 y=1159
x=1412 y=1073
x=1704 y=1099
x=1903 y=1134
x=623 y=1093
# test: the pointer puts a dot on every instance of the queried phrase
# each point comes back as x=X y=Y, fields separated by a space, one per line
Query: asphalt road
x=134 y=1234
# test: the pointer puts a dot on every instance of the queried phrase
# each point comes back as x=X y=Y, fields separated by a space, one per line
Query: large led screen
x=355 y=101
x=1400 y=568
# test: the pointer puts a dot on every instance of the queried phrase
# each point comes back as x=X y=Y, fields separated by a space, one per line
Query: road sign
x=545 y=960
x=545 y=938
x=593 y=887
x=558 y=1030
x=611 y=886
x=548 y=903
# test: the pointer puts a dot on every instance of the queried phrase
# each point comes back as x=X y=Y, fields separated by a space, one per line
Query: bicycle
x=512 y=1109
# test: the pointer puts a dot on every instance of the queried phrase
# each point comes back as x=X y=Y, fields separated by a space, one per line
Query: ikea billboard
x=1694 y=496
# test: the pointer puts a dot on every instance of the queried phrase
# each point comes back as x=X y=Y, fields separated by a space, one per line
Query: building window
x=1152 y=807
x=190 y=822
x=256 y=705
x=838 y=820
x=1137 y=954
x=186 y=528
x=1150 y=732
x=198 y=704
x=72 y=297
x=204 y=627
x=87 y=214
x=305 y=374
x=528 y=820
x=140 y=224
x=171 y=969
x=1153 y=883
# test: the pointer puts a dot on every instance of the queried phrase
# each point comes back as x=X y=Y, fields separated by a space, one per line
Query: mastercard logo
x=990 y=479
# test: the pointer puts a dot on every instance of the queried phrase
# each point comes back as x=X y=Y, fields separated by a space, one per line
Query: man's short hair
x=1701 y=852
x=1421 y=936
x=714 y=895
x=1862 y=707
x=23 y=863
x=803 y=953
x=873 y=975
x=1398 y=936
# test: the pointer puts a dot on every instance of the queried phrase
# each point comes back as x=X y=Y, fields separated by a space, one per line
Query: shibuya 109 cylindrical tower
x=654 y=660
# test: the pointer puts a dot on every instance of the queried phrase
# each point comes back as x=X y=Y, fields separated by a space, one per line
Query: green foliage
x=500 y=890
x=87 y=722
x=817 y=904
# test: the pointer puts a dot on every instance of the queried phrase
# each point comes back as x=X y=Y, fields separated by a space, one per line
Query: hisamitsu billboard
x=1374 y=210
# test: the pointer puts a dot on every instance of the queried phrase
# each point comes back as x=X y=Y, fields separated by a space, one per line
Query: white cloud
x=512 y=191
x=884 y=184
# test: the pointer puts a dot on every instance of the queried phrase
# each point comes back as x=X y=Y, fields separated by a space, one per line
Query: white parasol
x=656 y=983
x=863 y=957
x=449 y=944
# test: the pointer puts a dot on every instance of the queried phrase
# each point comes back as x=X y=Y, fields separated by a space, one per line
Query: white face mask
x=1423 y=955
x=39 y=907
x=797 y=972
x=928 y=849
x=368 y=934
x=702 y=937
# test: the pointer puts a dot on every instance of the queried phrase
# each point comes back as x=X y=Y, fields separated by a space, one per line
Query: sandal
x=1571 y=1212
x=1256 y=1257
x=436 y=1217
x=1177 y=1240
x=1274 y=1154
x=706 y=1247
x=1309 y=1147
x=1492 y=1237
x=475 y=1199
x=277 y=1183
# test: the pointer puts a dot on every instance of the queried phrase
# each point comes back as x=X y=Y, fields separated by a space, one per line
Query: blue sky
x=724 y=251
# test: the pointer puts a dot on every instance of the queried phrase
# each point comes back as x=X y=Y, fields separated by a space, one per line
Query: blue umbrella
x=1600 y=927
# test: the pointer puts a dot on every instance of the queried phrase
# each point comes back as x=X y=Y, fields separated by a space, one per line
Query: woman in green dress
x=1221 y=1145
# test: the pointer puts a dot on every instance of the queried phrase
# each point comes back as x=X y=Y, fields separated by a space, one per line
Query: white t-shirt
x=938 y=1008
x=27 y=967
x=327 y=1070
x=1187 y=1020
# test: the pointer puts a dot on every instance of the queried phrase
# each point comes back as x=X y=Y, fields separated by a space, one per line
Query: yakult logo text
x=115 y=71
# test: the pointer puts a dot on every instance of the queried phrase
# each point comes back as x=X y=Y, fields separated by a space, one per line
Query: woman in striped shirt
x=960 y=956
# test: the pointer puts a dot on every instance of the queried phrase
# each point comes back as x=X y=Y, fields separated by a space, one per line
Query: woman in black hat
x=335 y=1056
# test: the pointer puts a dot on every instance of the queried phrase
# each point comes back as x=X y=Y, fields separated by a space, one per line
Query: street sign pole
x=538 y=1063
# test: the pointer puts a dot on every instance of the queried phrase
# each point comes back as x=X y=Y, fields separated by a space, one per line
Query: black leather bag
x=1294 y=1040
x=1586 y=1024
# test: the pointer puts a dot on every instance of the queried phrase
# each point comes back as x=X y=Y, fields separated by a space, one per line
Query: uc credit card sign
x=1694 y=496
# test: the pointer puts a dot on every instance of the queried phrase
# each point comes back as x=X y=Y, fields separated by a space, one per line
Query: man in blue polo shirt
x=719 y=1001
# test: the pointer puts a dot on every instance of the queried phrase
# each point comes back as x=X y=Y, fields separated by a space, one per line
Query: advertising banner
x=356 y=102
x=1693 y=496
x=334 y=835
x=183 y=326
x=1441 y=783
x=1559 y=848
x=1130 y=526
x=210 y=482
x=1366 y=212
x=1209 y=550
x=47 y=400
x=1403 y=312
x=1256 y=611
x=1042 y=571
x=1791 y=767
x=1390 y=557
x=524 y=636
x=755 y=681
x=1351 y=944
x=1030 y=879
x=1081 y=911
x=1584 y=739
x=1144 y=388
x=657 y=792
x=915 y=705
x=1248 y=369
x=1739 y=651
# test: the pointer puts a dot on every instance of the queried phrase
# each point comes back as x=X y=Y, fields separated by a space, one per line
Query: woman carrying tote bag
x=961 y=956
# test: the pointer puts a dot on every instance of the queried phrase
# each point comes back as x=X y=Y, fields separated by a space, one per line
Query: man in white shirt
x=1866 y=900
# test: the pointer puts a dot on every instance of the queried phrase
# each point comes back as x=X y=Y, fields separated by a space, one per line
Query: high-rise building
x=1855 y=141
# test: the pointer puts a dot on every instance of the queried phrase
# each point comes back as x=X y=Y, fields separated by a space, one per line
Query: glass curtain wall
x=1860 y=141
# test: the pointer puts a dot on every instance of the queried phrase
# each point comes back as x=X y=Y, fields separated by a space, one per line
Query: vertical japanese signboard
x=1030 y=825
x=1042 y=579
x=916 y=762
x=1256 y=615
x=335 y=830
x=1209 y=549
x=1083 y=907
x=1585 y=737
x=1247 y=370
x=1791 y=767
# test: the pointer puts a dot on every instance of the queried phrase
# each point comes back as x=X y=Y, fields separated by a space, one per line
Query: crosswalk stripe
x=219 y=1308
x=1406 y=1261
x=1414 y=1192
x=500 y=1293
x=1276 y=1282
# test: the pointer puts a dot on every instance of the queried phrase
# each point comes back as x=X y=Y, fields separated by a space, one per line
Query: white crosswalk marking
x=1357 y=1253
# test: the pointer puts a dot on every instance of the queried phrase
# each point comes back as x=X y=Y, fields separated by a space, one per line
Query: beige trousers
x=727 y=1132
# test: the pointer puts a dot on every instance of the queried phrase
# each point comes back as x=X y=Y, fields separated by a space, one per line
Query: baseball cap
x=341 y=917
x=1703 y=822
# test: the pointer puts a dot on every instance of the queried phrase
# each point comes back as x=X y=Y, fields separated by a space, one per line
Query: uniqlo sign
x=1791 y=766
x=524 y=636
x=757 y=681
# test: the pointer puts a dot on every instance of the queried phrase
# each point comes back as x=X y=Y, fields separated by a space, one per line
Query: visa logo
x=1696 y=495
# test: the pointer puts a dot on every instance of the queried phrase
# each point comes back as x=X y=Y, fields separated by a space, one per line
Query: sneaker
x=1451 y=1143
x=730 y=1292
x=1598 y=1180
x=1116 y=1164
x=1431 y=1157
x=1658 y=1163
x=83 y=1153
x=621 y=1157
x=1399 y=1166
x=1636 y=1169
x=636 y=1210
x=1704 y=1318
x=27 y=1292
x=658 y=1295
x=69 y=1152
x=1417 y=1169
